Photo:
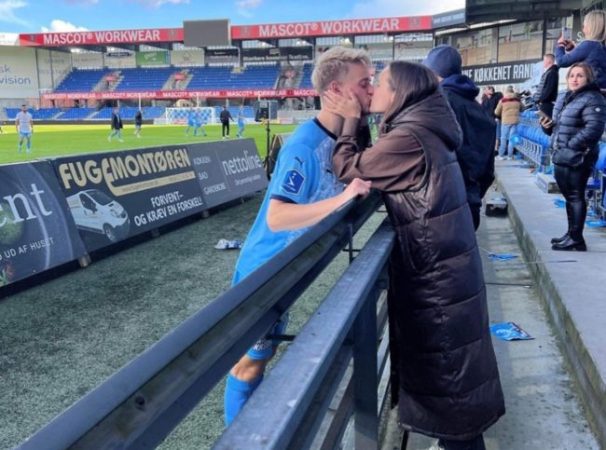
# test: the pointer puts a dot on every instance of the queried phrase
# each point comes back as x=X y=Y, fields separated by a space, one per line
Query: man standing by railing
x=303 y=190
x=547 y=91
x=476 y=153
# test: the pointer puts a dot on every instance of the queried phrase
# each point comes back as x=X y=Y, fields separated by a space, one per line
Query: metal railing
x=143 y=402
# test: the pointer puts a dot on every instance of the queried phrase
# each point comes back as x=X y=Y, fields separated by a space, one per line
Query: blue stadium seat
x=37 y=114
x=76 y=114
x=148 y=79
x=252 y=77
x=81 y=80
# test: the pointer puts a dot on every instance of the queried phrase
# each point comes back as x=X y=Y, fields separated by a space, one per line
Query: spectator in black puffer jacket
x=578 y=123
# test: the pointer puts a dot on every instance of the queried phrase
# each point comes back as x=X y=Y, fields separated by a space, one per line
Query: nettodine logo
x=117 y=171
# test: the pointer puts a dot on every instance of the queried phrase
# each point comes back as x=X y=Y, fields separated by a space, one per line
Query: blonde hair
x=595 y=22
x=334 y=64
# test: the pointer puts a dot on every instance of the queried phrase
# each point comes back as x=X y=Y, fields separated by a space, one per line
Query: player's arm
x=17 y=124
x=283 y=216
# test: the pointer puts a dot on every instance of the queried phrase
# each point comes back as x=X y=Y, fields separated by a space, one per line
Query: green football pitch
x=59 y=140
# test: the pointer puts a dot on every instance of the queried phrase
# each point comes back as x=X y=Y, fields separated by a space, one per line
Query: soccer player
x=191 y=121
x=25 y=127
x=241 y=122
x=138 y=123
x=303 y=190
x=116 y=125
x=199 y=124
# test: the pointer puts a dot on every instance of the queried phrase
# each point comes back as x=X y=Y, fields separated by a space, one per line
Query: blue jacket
x=578 y=124
x=475 y=154
x=591 y=52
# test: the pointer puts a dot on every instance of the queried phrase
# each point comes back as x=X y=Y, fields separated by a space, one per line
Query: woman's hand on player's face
x=343 y=104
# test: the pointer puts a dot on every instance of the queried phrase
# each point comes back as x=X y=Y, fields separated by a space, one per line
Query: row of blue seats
x=37 y=114
x=127 y=113
x=82 y=80
x=253 y=77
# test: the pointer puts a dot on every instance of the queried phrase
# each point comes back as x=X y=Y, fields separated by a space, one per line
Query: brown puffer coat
x=444 y=370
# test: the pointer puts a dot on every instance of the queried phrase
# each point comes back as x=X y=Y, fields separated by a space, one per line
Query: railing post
x=365 y=374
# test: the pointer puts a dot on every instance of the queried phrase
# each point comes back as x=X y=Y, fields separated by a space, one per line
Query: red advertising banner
x=239 y=32
x=245 y=93
x=74 y=38
x=332 y=28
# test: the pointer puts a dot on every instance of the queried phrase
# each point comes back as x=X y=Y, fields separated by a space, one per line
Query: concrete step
x=572 y=293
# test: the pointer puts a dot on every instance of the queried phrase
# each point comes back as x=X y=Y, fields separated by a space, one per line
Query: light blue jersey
x=191 y=118
x=303 y=174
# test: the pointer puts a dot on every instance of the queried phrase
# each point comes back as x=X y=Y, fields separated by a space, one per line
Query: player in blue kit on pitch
x=241 y=122
x=191 y=121
x=303 y=190
x=25 y=127
x=199 y=124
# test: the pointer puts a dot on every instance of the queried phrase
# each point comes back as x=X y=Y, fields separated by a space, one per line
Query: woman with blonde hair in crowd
x=577 y=125
x=444 y=371
x=590 y=51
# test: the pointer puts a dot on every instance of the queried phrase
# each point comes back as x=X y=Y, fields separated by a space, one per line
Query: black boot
x=557 y=240
x=569 y=244
x=569 y=215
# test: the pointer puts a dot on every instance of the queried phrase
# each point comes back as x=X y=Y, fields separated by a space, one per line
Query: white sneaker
x=500 y=158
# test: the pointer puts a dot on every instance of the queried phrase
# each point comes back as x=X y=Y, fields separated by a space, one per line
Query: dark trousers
x=547 y=108
x=474 y=444
x=572 y=182
x=475 y=215
x=225 y=128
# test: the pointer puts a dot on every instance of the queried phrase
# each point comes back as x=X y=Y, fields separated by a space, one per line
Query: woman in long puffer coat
x=444 y=371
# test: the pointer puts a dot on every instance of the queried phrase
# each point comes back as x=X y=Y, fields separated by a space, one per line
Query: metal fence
x=306 y=401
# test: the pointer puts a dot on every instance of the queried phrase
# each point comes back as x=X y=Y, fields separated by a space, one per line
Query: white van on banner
x=95 y=211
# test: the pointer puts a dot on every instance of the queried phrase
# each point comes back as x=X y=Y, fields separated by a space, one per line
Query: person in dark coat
x=578 y=123
x=547 y=91
x=138 y=123
x=225 y=117
x=490 y=100
x=444 y=370
x=476 y=153
x=116 y=125
x=591 y=51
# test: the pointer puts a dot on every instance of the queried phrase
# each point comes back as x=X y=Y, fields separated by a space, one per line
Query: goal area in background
x=180 y=116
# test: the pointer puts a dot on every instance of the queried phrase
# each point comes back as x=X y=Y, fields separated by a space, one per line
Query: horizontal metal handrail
x=143 y=402
x=271 y=417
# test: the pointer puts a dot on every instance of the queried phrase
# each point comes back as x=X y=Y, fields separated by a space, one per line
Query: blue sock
x=237 y=393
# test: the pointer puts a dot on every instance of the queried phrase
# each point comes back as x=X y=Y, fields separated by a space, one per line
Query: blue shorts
x=264 y=348
x=25 y=134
